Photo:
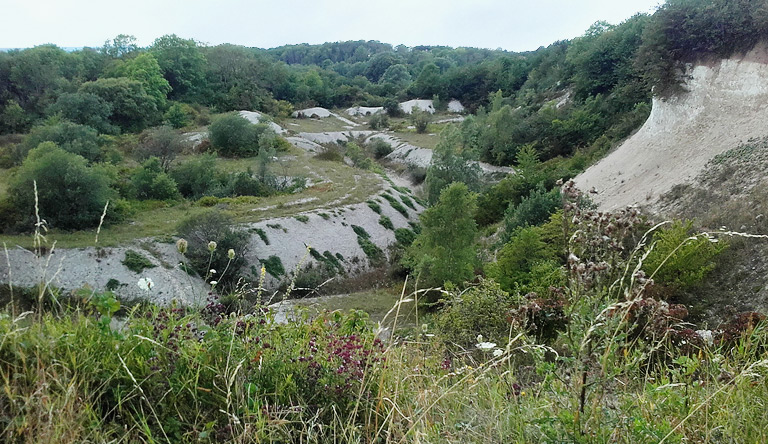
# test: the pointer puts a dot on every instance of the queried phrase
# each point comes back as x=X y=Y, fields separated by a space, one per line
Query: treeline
x=560 y=97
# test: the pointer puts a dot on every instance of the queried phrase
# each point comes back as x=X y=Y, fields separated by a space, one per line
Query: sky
x=507 y=24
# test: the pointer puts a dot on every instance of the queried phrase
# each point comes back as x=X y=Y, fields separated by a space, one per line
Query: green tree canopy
x=182 y=63
x=132 y=108
x=71 y=194
x=445 y=250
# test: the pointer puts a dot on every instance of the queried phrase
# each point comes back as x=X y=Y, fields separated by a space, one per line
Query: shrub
x=198 y=177
x=379 y=121
x=150 y=182
x=380 y=148
x=371 y=250
x=420 y=119
x=532 y=210
x=406 y=200
x=71 y=137
x=360 y=231
x=302 y=218
x=200 y=231
x=404 y=236
x=136 y=262
x=680 y=260
x=161 y=142
x=274 y=266
x=262 y=234
x=481 y=309
x=358 y=157
x=71 y=194
x=396 y=205
x=385 y=222
x=374 y=206
x=233 y=135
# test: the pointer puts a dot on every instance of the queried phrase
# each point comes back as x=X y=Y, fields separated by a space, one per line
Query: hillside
x=726 y=103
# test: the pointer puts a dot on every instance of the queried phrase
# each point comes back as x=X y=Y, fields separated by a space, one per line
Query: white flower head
x=212 y=245
x=212 y=271
x=479 y=338
x=498 y=352
x=213 y=283
x=485 y=346
x=231 y=253
x=145 y=284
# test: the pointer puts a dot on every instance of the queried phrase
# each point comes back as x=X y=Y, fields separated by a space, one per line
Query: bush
x=374 y=206
x=161 y=142
x=679 y=260
x=379 y=121
x=233 y=135
x=71 y=194
x=71 y=137
x=199 y=231
x=480 y=310
x=532 y=210
x=380 y=148
x=404 y=236
x=150 y=182
x=420 y=119
x=385 y=222
x=136 y=262
x=198 y=177
x=274 y=266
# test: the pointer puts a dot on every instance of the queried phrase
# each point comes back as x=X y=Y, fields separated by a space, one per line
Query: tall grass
x=621 y=367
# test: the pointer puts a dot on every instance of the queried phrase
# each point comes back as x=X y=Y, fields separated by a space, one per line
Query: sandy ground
x=727 y=103
x=363 y=111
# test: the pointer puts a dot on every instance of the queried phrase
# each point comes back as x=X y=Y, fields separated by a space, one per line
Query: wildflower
x=231 y=253
x=706 y=336
x=485 y=346
x=479 y=338
x=145 y=284
x=498 y=352
x=213 y=283
x=182 y=245
x=212 y=271
x=211 y=246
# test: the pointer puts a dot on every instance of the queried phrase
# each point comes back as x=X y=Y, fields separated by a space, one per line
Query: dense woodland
x=553 y=322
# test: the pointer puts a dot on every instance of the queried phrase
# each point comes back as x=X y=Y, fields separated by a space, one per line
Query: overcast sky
x=508 y=24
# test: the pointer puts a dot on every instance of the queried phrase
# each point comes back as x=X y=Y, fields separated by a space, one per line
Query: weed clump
x=136 y=262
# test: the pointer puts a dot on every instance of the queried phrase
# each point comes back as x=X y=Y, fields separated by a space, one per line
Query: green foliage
x=404 y=236
x=679 y=259
x=379 y=121
x=380 y=148
x=145 y=69
x=208 y=227
x=132 y=108
x=302 y=218
x=198 y=177
x=84 y=109
x=420 y=119
x=262 y=234
x=358 y=157
x=450 y=163
x=13 y=119
x=183 y=64
x=360 y=231
x=274 y=266
x=71 y=194
x=233 y=135
x=397 y=206
x=479 y=310
x=71 y=137
x=516 y=260
x=385 y=222
x=407 y=201
x=532 y=210
x=151 y=182
x=161 y=142
x=136 y=262
x=179 y=115
x=372 y=251
x=445 y=250
x=374 y=206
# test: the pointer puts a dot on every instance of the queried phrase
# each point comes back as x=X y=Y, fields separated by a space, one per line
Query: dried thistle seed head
x=182 y=245
x=211 y=246
x=231 y=253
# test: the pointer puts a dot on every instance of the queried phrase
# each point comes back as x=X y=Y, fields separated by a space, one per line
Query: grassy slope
x=347 y=186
